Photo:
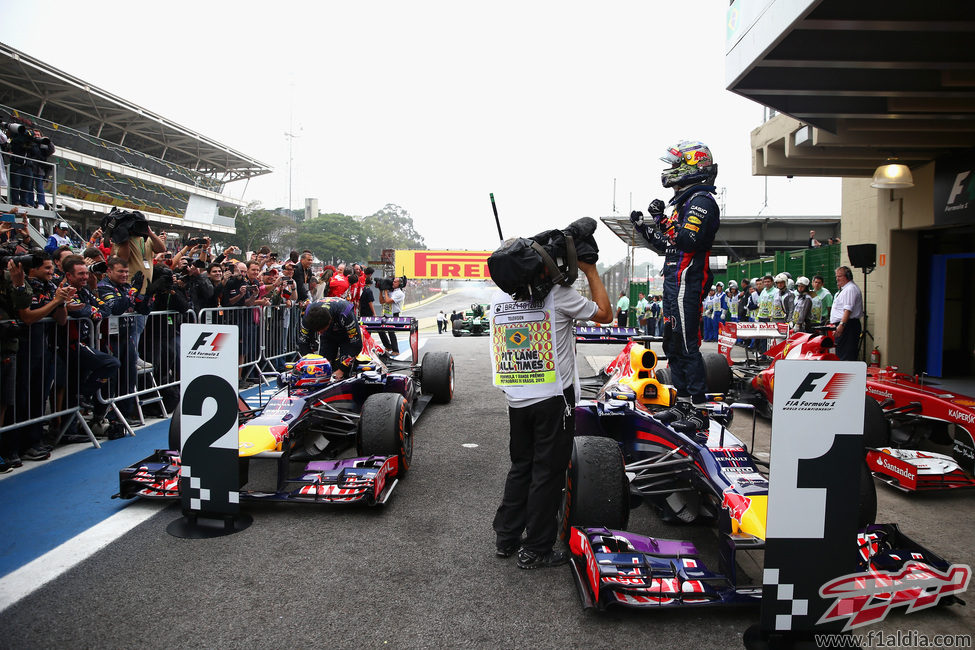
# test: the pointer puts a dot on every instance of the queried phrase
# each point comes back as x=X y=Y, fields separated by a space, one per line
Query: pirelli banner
x=443 y=265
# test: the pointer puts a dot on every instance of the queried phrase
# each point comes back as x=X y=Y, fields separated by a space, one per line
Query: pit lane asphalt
x=419 y=572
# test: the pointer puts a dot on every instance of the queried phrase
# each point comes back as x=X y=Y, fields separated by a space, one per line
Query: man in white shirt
x=541 y=429
x=846 y=313
x=392 y=302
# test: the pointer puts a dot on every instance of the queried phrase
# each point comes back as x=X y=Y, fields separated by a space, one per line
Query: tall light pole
x=291 y=138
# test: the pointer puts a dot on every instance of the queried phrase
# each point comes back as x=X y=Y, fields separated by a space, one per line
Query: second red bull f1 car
x=316 y=417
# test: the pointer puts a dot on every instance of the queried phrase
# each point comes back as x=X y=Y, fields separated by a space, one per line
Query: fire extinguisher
x=875 y=357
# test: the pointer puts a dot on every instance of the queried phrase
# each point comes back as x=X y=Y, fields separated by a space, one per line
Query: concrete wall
x=892 y=220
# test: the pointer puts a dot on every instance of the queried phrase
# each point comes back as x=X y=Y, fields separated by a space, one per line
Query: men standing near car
x=846 y=314
x=822 y=301
x=392 y=302
x=685 y=236
x=541 y=428
x=622 y=310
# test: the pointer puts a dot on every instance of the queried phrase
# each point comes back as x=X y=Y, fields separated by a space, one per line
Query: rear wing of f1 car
x=610 y=335
x=728 y=333
x=395 y=324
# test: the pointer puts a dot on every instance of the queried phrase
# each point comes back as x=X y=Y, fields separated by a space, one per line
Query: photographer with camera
x=15 y=294
x=41 y=149
x=199 y=288
x=21 y=166
x=334 y=320
x=685 y=237
x=536 y=290
x=391 y=297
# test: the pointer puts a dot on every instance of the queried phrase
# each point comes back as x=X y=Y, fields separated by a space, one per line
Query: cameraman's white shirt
x=398 y=296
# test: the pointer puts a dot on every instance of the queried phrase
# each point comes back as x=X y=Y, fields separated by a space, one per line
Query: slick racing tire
x=663 y=376
x=868 y=497
x=596 y=488
x=455 y=332
x=876 y=428
x=437 y=376
x=386 y=429
x=717 y=373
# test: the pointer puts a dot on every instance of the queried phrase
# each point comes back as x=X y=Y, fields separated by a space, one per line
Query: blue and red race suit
x=341 y=341
x=685 y=240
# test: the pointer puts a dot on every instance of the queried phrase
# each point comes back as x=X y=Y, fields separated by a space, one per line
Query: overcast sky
x=432 y=105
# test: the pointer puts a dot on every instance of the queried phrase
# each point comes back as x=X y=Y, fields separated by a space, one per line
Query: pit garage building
x=855 y=85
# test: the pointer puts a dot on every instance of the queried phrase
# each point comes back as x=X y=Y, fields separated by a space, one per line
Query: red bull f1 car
x=622 y=455
x=314 y=416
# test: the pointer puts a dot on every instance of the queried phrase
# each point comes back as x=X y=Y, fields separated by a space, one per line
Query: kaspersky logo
x=818 y=391
x=208 y=345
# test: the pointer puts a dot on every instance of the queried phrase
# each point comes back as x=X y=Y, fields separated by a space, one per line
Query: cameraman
x=199 y=288
x=685 y=237
x=541 y=427
x=391 y=297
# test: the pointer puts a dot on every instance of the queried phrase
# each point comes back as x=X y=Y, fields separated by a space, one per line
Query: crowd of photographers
x=83 y=327
x=25 y=151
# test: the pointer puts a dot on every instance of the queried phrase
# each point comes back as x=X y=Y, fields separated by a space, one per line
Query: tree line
x=330 y=236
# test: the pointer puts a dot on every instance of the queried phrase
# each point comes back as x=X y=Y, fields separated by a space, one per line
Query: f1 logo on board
x=207 y=347
x=818 y=391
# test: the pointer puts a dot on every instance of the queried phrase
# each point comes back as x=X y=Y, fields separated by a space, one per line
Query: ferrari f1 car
x=315 y=416
x=476 y=321
x=623 y=455
x=902 y=412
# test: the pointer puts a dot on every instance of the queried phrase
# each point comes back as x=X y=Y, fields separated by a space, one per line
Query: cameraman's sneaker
x=5 y=467
x=533 y=560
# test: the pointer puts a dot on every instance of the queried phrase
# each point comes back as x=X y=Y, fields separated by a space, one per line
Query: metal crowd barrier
x=42 y=381
x=250 y=325
x=147 y=348
x=280 y=334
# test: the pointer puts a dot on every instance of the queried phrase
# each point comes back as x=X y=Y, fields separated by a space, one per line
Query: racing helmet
x=690 y=163
x=311 y=370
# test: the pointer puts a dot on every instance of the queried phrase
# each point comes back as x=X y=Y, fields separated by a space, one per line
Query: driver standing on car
x=685 y=237
x=341 y=338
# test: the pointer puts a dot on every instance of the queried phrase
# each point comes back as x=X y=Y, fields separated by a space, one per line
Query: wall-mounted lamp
x=892 y=176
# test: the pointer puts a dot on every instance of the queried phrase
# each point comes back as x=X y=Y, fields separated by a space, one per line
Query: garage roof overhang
x=861 y=81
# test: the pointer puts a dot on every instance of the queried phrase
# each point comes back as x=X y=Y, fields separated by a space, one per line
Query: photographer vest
x=523 y=337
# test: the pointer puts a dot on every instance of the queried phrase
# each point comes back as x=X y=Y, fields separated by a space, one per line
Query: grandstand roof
x=36 y=87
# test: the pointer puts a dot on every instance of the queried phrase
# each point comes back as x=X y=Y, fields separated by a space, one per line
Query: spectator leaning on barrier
x=94 y=367
x=36 y=361
x=120 y=299
x=15 y=295
x=215 y=275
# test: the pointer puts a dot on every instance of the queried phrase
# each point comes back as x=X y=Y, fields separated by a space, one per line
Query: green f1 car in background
x=476 y=321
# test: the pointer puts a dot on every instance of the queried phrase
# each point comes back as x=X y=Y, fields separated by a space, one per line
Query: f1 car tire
x=455 y=332
x=596 y=487
x=717 y=373
x=876 y=428
x=868 y=496
x=663 y=376
x=437 y=376
x=386 y=429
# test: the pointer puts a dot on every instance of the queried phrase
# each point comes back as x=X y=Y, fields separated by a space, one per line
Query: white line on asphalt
x=33 y=575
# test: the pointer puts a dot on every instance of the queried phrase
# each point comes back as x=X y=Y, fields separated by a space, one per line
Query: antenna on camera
x=496 y=220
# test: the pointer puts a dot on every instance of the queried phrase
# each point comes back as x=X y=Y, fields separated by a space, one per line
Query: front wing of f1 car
x=617 y=568
x=368 y=481
x=910 y=470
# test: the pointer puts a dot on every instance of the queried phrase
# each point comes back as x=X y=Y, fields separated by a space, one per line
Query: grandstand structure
x=111 y=153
